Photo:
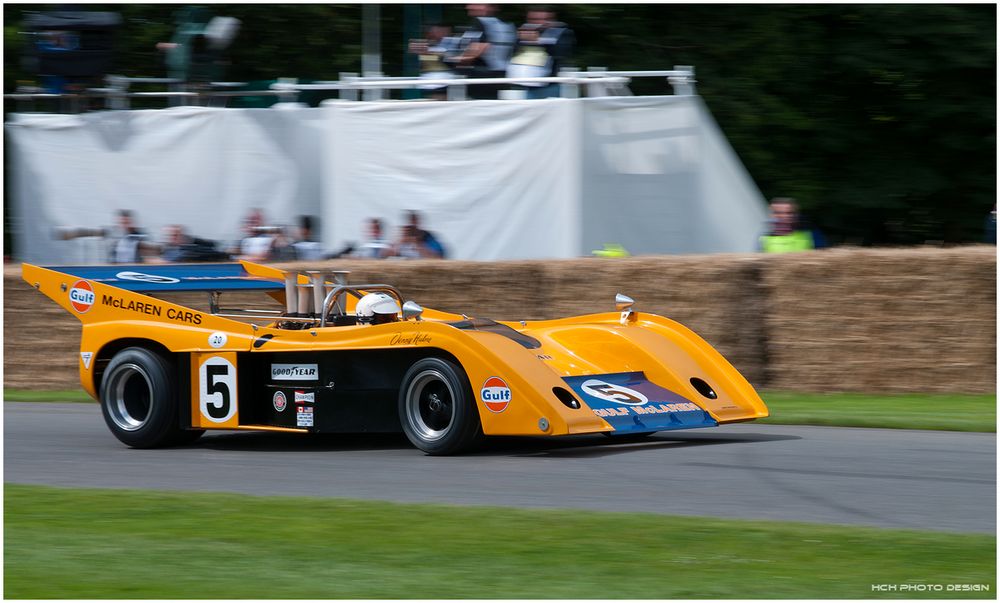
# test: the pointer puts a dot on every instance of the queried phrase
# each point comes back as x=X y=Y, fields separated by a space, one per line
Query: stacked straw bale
x=882 y=320
x=873 y=320
x=41 y=341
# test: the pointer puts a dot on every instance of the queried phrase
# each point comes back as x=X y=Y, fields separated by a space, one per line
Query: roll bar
x=355 y=290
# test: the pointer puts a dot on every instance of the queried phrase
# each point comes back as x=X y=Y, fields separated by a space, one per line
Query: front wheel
x=139 y=400
x=436 y=407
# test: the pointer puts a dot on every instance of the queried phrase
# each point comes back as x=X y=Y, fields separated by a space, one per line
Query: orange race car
x=326 y=356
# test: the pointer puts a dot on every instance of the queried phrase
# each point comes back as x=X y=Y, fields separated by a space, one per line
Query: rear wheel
x=436 y=407
x=139 y=400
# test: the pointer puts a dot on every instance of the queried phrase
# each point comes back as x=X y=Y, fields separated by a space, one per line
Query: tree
x=880 y=119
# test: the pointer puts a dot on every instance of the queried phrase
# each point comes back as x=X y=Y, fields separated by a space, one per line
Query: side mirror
x=412 y=309
x=623 y=302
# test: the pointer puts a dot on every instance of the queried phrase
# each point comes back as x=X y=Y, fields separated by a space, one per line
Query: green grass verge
x=952 y=412
x=84 y=543
x=24 y=395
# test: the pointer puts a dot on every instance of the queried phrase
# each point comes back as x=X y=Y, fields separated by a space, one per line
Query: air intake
x=566 y=397
x=704 y=388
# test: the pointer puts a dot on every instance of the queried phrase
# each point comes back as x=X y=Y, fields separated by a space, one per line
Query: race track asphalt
x=877 y=477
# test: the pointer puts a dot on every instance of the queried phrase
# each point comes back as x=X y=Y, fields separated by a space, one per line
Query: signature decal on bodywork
x=408 y=339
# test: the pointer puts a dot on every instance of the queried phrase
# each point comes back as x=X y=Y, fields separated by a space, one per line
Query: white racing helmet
x=377 y=308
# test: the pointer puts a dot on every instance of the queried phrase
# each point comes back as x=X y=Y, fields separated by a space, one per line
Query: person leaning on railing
x=486 y=48
x=432 y=52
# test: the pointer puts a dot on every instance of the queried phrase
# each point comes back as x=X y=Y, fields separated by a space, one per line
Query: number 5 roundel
x=217 y=389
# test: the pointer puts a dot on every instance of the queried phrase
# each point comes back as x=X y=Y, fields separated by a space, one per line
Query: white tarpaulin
x=493 y=179
x=543 y=178
x=200 y=167
x=660 y=177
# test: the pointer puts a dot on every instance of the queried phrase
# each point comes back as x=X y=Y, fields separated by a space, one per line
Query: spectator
x=196 y=53
x=555 y=37
x=181 y=247
x=132 y=243
x=306 y=247
x=415 y=242
x=788 y=231
x=258 y=240
x=530 y=60
x=432 y=52
x=543 y=49
x=377 y=247
x=486 y=48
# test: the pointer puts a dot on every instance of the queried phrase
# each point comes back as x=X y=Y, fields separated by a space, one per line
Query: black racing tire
x=139 y=400
x=436 y=407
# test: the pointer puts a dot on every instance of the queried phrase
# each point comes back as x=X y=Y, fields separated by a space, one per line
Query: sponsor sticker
x=301 y=396
x=85 y=357
x=81 y=296
x=619 y=394
x=652 y=409
x=280 y=401
x=147 y=278
x=495 y=394
x=217 y=339
x=304 y=416
x=294 y=372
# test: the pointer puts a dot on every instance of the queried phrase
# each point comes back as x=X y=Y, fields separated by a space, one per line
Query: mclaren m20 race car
x=326 y=357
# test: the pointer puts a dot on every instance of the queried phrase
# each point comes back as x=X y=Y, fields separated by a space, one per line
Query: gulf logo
x=495 y=394
x=81 y=296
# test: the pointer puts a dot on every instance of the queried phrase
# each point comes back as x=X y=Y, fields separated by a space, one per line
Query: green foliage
x=879 y=118
x=109 y=544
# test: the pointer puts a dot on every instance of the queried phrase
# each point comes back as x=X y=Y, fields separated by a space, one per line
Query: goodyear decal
x=294 y=372
x=632 y=403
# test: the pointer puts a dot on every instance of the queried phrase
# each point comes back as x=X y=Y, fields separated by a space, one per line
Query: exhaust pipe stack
x=305 y=300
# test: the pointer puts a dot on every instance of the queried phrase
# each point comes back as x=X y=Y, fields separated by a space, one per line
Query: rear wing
x=123 y=292
x=166 y=278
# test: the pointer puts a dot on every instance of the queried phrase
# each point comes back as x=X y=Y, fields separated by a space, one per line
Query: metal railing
x=117 y=94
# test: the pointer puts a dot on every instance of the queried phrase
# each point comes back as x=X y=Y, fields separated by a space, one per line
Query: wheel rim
x=131 y=397
x=430 y=405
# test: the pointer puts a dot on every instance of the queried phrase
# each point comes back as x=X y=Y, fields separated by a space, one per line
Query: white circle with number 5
x=217 y=389
x=217 y=339
x=610 y=392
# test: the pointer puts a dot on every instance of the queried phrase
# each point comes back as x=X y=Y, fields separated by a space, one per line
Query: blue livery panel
x=173 y=277
x=633 y=404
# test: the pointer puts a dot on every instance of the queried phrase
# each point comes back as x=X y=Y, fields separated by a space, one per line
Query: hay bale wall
x=901 y=320
x=834 y=320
